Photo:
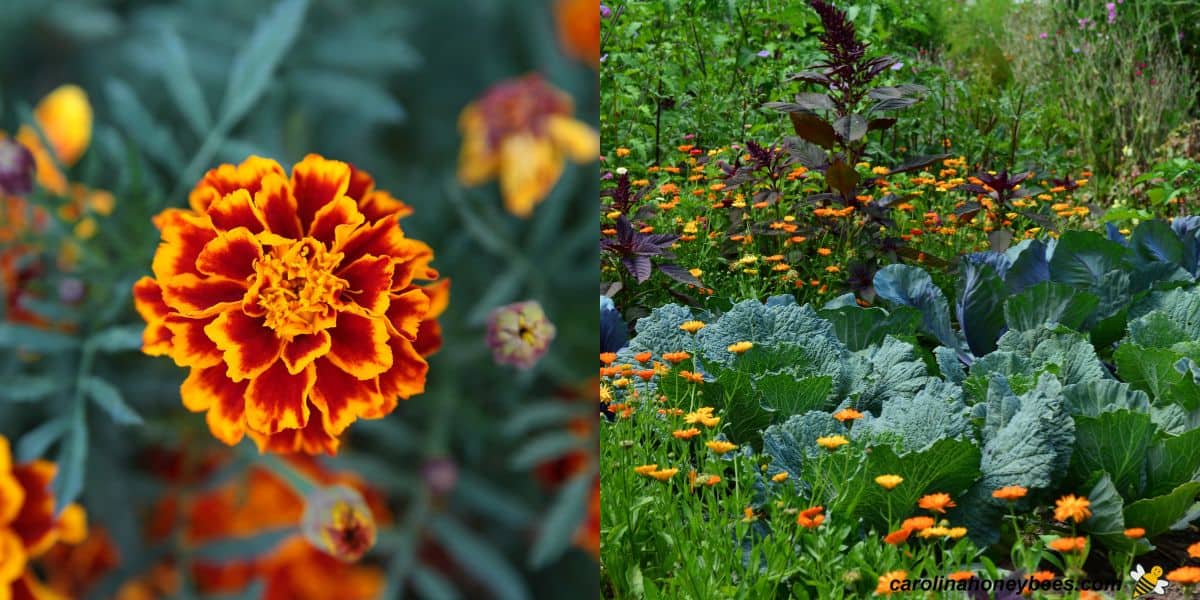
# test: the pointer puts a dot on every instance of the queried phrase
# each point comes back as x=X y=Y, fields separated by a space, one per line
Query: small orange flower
x=608 y=357
x=645 y=469
x=1135 y=533
x=740 y=347
x=780 y=477
x=712 y=480
x=520 y=131
x=938 y=502
x=702 y=415
x=890 y=582
x=645 y=374
x=811 y=518
x=643 y=356
x=889 y=482
x=824 y=251
x=720 y=446
x=1185 y=575
x=1012 y=493
x=1194 y=550
x=1068 y=544
x=960 y=576
x=686 y=434
x=293 y=300
x=1043 y=576
x=663 y=474
x=847 y=414
x=692 y=377
x=897 y=537
x=1072 y=507
x=934 y=532
x=917 y=523
x=676 y=357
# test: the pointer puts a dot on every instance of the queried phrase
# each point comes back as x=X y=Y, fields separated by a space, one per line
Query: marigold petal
x=196 y=297
x=407 y=311
x=226 y=179
x=361 y=184
x=278 y=207
x=429 y=338
x=317 y=181
x=236 y=209
x=183 y=237
x=147 y=299
x=225 y=400
x=12 y=497
x=72 y=524
x=412 y=259
x=277 y=400
x=380 y=204
x=35 y=523
x=579 y=141
x=190 y=344
x=529 y=167
x=377 y=239
x=232 y=255
x=340 y=397
x=311 y=439
x=406 y=376
x=439 y=297
x=359 y=345
x=370 y=278
x=338 y=212
x=12 y=560
x=304 y=349
x=248 y=345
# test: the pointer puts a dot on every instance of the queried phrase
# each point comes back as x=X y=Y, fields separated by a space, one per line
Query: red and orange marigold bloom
x=293 y=300
x=28 y=525
x=520 y=131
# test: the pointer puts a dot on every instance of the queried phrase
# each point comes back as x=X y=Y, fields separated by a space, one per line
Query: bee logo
x=1147 y=582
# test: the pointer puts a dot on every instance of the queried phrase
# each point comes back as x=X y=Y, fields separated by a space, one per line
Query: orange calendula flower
x=579 y=29
x=936 y=502
x=889 y=482
x=692 y=326
x=934 y=532
x=521 y=131
x=890 y=582
x=676 y=357
x=337 y=520
x=28 y=525
x=1043 y=576
x=1068 y=544
x=608 y=357
x=917 y=523
x=720 y=446
x=1072 y=507
x=294 y=302
x=1135 y=533
x=740 y=347
x=1185 y=575
x=664 y=474
x=847 y=414
x=692 y=377
x=897 y=537
x=780 y=477
x=960 y=576
x=811 y=518
x=643 y=356
x=686 y=434
x=955 y=533
x=1194 y=550
x=1012 y=493
x=702 y=415
x=645 y=469
x=832 y=442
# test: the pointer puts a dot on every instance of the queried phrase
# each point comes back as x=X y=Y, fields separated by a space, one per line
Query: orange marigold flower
x=645 y=469
x=824 y=251
x=1043 y=576
x=692 y=377
x=847 y=414
x=663 y=474
x=686 y=434
x=960 y=576
x=1135 y=533
x=1072 y=507
x=917 y=523
x=645 y=374
x=520 y=131
x=28 y=524
x=890 y=580
x=938 y=502
x=1068 y=544
x=293 y=301
x=676 y=357
x=643 y=356
x=1185 y=575
x=608 y=358
x=1012 y=493
x=897 y=537
x=889 y=482
x=720 y=446
x=1194 y=550
x=811 y=518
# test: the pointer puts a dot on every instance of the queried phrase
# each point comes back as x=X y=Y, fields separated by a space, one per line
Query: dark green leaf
x=109 y=398
x=256 y=61
x=561 y=521
x=182 y=85
x=476 y=556
x=1048 y=303
x=28 y=388
x=544 y=448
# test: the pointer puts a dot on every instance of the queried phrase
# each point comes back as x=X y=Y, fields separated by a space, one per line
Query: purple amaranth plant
x=635 y=250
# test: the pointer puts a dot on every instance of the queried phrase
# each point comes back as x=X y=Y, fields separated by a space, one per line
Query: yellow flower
x=832 y=442
x=890 y=580
x=702 y=415
x=934 y=532
x=645 y=469
x=780 y=477
x=692 y=326
x=847 y=414
x=664 y=474
x=720 y=446
x=740 y=347
x=521 y=130
x=1072 y=507
x=955 y=533
x=65 y=117
x=889 y=482
x=686 y=434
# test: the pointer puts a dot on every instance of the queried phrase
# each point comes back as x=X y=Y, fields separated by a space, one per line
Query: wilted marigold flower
x=1072 y=507
x=692 y=326
x=1068 y=544
x=520 y=131
x=720 y=446
x=847 y=414
x=1012 y=493
x=293 y=301
x=519 y=334
x=16 y=168
x=936 y=502
x=811 y=518
x=740 y=347
x=337 y=521
x=832 y=442
x=889 y=482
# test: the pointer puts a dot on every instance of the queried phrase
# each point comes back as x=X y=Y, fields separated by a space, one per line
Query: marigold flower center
x=297 y=287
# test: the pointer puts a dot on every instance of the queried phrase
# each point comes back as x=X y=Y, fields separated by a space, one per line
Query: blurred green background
x=379 y=84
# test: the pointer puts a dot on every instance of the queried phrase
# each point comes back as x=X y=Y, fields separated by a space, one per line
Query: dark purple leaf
x=850 y=128
x=842 y=177
x=880 y=124
x=639 y=266
x=679 y=274
x=893 y=104
x=919 y=162
x=814 y=101
x=814 y=129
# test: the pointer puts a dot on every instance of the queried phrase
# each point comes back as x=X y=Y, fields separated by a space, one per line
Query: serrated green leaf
x=72 y=460
x=141 y=127
x=479 y=558
x=109 y=398
x=34 y=444
x=255 y=63
x=182 y=84
x=117 y=339
x=28 y=388
x=561 y=521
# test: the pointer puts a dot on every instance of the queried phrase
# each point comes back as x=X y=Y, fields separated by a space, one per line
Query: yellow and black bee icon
x=1147 y=583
